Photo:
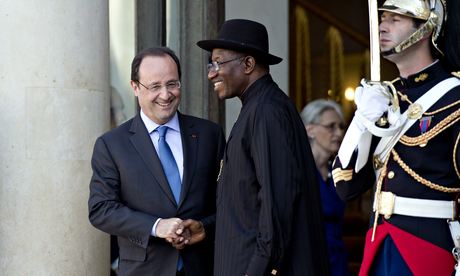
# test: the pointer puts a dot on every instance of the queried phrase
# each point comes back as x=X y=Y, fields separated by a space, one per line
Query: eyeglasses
x=215 y=65
x=333 y=126
x=170 y=86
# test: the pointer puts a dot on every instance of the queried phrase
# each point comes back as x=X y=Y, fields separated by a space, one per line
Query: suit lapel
x=143 y=144
x=190 y=138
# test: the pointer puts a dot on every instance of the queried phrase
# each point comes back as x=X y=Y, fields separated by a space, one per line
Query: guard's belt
x=392 y=204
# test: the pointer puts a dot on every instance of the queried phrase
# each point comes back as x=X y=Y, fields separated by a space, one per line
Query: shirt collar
x=151 y=125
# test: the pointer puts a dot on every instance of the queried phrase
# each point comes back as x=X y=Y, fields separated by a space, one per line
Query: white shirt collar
x=151 y=125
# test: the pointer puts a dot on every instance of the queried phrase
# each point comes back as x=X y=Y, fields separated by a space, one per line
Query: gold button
x=382 y=121
x=391 y=174
x=274 y=271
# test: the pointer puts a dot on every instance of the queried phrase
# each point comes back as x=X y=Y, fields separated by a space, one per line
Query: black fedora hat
x=242 y=35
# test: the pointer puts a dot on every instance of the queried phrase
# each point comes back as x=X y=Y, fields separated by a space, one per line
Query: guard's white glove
x=371 y=101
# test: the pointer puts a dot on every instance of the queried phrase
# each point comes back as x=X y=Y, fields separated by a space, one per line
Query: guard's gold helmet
x=430 y=11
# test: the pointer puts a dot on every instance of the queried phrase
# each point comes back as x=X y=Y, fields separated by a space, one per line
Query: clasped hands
x=180 y=232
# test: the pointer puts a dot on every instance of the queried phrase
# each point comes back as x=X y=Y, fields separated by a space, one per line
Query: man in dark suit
x=154 y=177
x=268 y=219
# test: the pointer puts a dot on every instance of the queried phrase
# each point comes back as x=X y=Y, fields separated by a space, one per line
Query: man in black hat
x=268 y=214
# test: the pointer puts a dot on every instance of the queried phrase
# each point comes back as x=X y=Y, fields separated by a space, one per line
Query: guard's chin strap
x=426 y=29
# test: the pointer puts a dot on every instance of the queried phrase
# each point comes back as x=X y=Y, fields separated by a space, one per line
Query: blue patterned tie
x=170 y=168
x=169 y=164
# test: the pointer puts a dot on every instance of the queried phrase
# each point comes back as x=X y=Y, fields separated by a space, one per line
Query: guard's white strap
x=386 y=144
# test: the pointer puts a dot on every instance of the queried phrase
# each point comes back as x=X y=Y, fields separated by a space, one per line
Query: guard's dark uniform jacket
x=424 y=164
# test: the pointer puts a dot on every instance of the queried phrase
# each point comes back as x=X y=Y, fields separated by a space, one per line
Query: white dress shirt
x=174 y=140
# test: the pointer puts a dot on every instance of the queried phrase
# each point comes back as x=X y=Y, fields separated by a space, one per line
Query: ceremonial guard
x=404 y=142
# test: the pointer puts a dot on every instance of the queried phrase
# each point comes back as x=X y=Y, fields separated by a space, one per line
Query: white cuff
x=363 y=150
x=154 y=228
x=350 y=142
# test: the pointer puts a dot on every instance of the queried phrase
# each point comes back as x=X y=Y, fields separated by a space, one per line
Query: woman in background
x=324 y=122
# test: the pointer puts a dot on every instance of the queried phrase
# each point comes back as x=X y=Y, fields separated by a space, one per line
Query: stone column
x=150 y=26
x=198 y=20
x=54 y=103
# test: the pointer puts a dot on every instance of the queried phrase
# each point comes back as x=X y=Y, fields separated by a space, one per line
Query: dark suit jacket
x=129 y=192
